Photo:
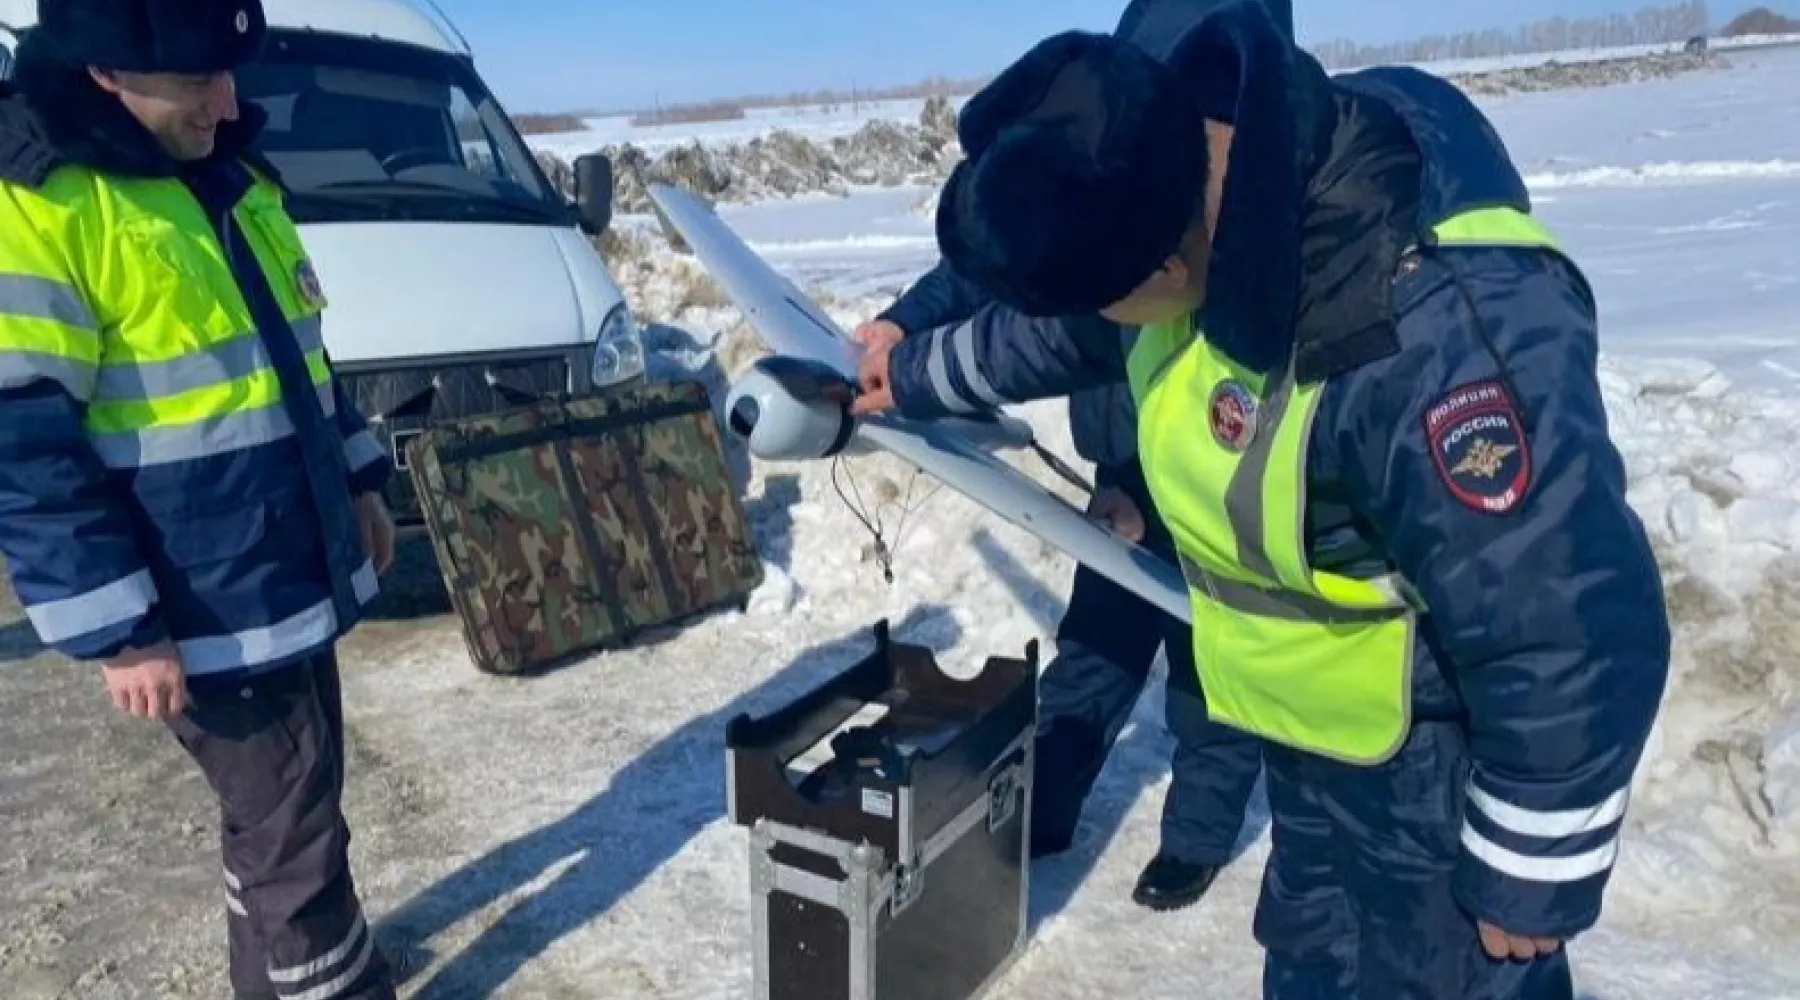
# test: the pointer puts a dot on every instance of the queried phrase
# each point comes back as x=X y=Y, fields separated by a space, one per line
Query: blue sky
x=544 y=55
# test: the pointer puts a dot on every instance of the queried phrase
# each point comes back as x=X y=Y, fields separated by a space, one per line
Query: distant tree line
x=1760 y=21
x=1649 y=26
x=828 y=99
x=689 y=114
x=528 y=124
x=936 y=86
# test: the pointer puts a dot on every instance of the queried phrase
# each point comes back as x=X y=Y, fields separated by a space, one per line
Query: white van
x=459 y=281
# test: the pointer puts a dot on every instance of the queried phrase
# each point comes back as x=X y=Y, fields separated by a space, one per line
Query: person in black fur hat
x=202 y=541
x=1369 y=415
x=168 y=62
x=1109 y=639
x=1088 y=171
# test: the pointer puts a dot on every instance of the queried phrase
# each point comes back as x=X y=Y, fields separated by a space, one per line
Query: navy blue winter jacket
x=1547 y=634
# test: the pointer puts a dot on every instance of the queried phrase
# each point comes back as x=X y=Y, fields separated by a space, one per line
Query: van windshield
x=364 y=130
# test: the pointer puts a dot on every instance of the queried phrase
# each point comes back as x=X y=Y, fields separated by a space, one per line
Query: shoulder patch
x=312 y=293
x=1478 y=444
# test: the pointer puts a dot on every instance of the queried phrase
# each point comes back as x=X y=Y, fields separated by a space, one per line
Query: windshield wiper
x=393 y=185
x=441 y=199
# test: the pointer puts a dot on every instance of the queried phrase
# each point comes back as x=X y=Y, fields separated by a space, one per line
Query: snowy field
x=814 y=121
x=822 y=123
x=563 y=837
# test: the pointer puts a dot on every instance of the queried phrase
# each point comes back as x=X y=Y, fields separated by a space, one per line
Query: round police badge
x=243 y=22
x=1232 y=414
x=307 y=281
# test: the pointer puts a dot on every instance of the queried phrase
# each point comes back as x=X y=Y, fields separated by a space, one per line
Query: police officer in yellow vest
x=187 y=496
x=1369 y=414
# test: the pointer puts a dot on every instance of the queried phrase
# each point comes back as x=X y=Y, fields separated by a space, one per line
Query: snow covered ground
x=563 y=837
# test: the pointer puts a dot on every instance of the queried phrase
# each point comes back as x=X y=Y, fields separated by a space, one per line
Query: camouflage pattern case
x=568 y=526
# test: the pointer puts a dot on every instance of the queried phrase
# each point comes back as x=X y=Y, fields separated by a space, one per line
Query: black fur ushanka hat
x=151 y=36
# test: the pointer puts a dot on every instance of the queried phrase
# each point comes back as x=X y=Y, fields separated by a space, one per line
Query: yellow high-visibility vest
x=1312 y=660
x=117 y=288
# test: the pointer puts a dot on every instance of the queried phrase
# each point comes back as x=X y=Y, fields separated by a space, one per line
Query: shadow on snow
x=644 y=818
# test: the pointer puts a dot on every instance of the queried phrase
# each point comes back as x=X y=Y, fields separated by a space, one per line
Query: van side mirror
x=594 y=192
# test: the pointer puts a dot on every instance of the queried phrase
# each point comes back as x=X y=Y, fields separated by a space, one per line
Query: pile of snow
x=664 y=286
x=783 y=163
x=1715 y=474
x=659 y=285
x=820 y=122
x=1558 y=75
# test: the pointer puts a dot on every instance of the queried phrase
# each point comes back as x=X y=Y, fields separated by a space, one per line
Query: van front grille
x=401 y=402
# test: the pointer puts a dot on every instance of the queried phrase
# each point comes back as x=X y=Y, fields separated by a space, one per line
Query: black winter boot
x=1169 y=883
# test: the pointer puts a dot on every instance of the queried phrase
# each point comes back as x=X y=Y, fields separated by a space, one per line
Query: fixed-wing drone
x=795 y=406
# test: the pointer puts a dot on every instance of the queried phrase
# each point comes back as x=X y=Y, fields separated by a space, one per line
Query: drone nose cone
x=780 y=425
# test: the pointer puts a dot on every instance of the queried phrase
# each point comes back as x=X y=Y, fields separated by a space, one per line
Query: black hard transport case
x=889 y=814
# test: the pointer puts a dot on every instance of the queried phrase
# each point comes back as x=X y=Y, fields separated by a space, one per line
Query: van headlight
x=618 y=349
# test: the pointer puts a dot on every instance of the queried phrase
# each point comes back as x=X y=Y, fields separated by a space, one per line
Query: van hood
x=403 y=291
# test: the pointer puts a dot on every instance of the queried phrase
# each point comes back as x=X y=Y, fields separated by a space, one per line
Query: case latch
x=1005 y=791
x=909 y=882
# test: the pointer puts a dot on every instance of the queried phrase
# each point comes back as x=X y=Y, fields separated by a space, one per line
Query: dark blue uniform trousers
x=272 y=747
x=1106 y=646
x=1356 y=898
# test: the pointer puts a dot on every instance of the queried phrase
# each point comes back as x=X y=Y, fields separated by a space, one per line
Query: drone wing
x=949 y=449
